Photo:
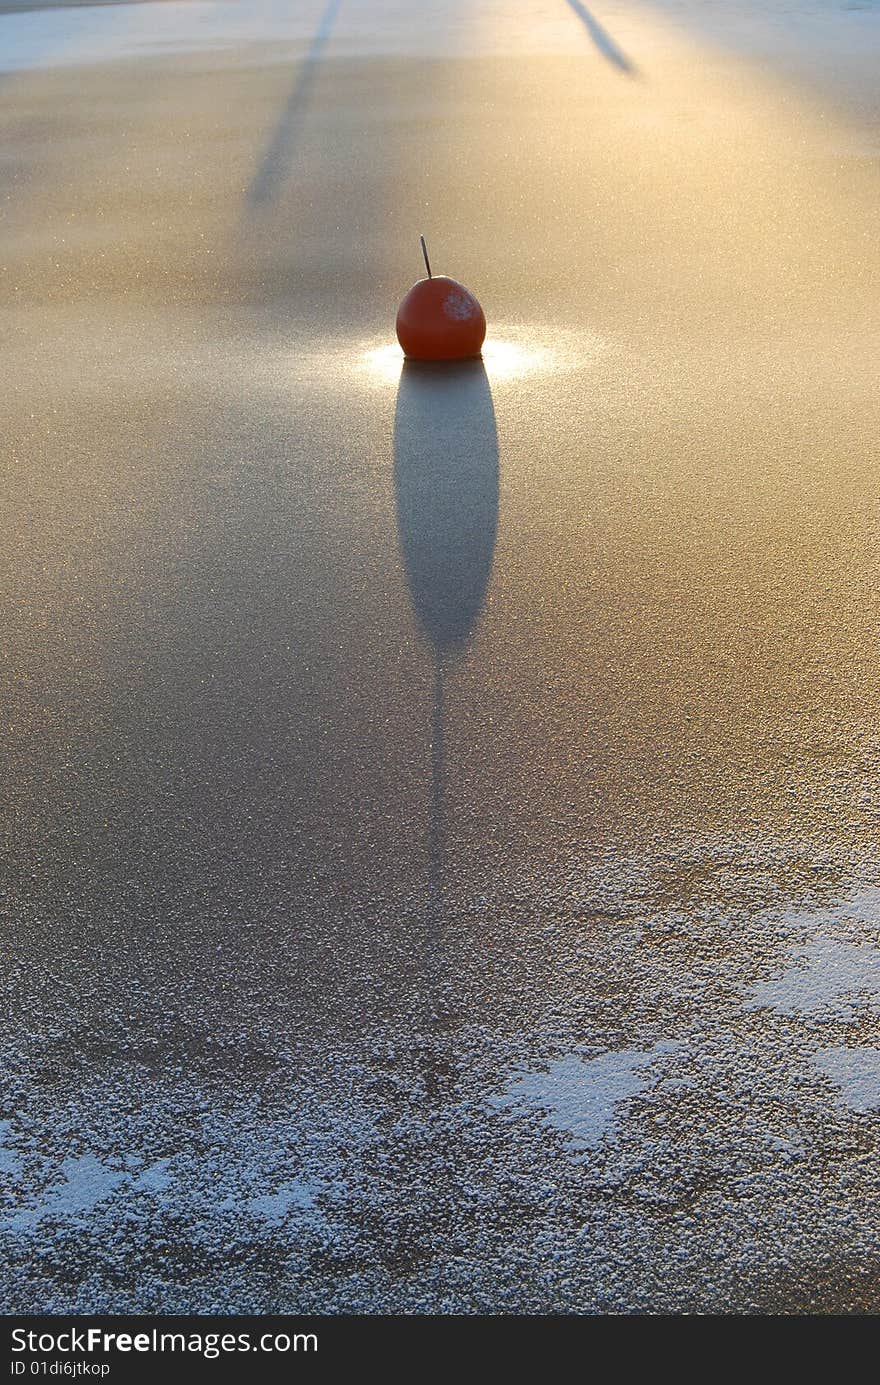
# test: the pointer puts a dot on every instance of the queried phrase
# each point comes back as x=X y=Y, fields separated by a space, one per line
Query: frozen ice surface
x=350 y=967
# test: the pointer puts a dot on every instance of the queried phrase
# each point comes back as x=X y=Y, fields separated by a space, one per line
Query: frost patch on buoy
x=459 y=307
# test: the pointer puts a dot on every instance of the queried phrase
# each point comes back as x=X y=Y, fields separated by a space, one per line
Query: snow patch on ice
x=862 y=906
x=579 y=1096
x=828 y=973
x=856 y=1071
x=154 y=1179
x=85 y=1183
x=295 y=1196
x=10 y=1159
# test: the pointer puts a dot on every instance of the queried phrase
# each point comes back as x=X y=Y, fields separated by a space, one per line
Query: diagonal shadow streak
x=274 y=164
x=602 y=39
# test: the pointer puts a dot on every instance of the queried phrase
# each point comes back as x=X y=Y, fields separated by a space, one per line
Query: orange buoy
x=439 y=319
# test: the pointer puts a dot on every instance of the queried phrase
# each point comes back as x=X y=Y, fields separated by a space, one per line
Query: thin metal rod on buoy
x=425 y=253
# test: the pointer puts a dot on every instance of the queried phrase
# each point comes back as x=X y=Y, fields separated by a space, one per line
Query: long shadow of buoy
x=275 y=162
x=446 y=487
x=602 y=39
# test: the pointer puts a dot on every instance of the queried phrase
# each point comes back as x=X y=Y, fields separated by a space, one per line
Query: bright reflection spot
x=503 y=359
x=385 y=362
